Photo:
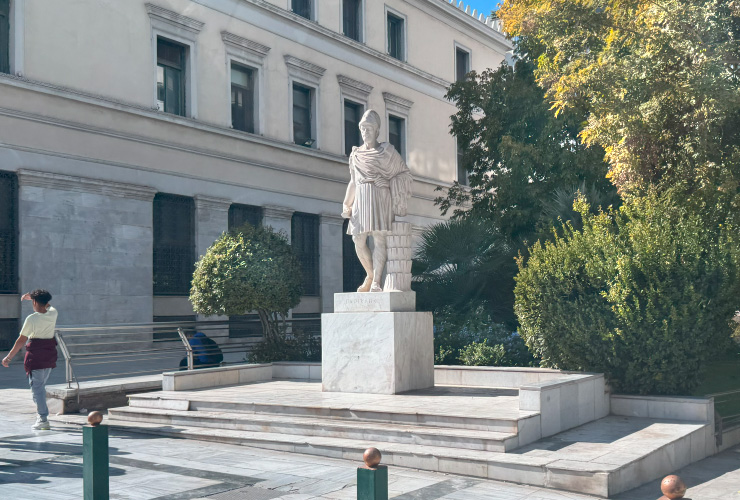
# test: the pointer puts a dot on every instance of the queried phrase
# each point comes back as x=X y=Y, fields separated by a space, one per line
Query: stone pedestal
x=376 y=343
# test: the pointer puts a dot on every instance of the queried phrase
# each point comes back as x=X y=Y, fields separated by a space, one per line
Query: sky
x=484 y=6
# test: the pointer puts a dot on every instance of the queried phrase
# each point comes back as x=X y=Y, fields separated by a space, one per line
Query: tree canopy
x=516 y=151
x=660 y=80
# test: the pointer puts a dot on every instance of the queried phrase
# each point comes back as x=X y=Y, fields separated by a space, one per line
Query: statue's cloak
x=382 y=188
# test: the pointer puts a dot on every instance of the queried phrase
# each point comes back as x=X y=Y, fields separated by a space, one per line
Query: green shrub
x=483 y=354
x=296 y=346
x=643 y=294
x=248 y=269
x=454 y=331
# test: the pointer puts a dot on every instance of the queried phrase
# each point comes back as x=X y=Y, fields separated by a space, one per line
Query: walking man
x=37 y=335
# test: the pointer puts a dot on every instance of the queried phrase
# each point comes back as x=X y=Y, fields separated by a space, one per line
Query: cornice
x=315 y=27
x=84 y=185
x=211 y=203
x=331 y=219
x=484 y=26
x=296 y=65
x=397 y=103
x=173 y=18
x=277 y=212
x=241 y=43
x=354 y=88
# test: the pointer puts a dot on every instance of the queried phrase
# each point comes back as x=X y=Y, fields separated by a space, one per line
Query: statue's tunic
x=381 y=183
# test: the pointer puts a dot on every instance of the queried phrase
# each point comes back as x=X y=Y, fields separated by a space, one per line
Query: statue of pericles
x=378 y=190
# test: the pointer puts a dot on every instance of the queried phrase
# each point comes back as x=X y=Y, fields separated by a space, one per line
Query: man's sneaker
x=41 y=425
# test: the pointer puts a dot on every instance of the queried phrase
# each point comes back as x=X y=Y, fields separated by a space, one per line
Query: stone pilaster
x=331 y=261
x=278 y=218
x=211 y=219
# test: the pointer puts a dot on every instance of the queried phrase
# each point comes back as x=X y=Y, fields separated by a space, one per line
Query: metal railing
x=94 y=352
x=726 y=412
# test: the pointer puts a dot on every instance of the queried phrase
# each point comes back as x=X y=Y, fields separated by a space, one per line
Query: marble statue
x=378 y=190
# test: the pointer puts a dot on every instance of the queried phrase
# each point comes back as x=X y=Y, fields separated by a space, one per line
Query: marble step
x=508 y=424
x=312 y=426
x=591 y=459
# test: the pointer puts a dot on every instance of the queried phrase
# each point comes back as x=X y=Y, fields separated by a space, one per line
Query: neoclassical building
x=133 y=133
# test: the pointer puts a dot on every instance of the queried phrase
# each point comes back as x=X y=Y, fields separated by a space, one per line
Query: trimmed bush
x=248 y=269
x=483 y=354
x=643 y=294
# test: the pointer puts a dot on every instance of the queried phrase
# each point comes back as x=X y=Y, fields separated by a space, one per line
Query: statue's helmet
x=371 y=117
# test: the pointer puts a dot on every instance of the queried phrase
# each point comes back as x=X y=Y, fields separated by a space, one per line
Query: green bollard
x=372 y=480
x=95 y=458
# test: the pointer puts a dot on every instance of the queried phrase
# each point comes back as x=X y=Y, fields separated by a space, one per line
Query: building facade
x=132 y=134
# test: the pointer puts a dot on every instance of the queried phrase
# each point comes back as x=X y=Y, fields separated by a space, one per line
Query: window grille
x=302 y=8
x=9 y=330
x=4 y=36
x=352 y=115
x=170 y=332
x=396 y=133
x=395 y=37
x=462 y=64
x=242 y=214
x=174 y=244
x=305 y=242
x=8 y=233
x=353 y=273
x=351 y=12
x=242 y=98
x=302 y=115
x=170 y=77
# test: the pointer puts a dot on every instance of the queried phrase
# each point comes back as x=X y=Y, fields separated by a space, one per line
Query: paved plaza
x=48 y=465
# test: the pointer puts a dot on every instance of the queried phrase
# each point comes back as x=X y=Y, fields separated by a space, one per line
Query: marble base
x=377 y=352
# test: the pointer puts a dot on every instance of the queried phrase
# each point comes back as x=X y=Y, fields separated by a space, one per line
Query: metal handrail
x=151 y=348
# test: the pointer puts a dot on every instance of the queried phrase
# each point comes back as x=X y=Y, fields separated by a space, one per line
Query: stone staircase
x=484 y=435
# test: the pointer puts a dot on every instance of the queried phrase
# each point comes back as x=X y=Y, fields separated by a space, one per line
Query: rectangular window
x=174 y=244
x=351 y=18
x=305 y=242
x=352 y=114
x=242 y=98
x=462 y=64
x=8 y=233
x=302 y=115
x=396 y=134
x=462 y=173
x=309 y=323
x=302 y=8
x=4 y=36
x=170 y=77
x=396 y=37
x=241 y=214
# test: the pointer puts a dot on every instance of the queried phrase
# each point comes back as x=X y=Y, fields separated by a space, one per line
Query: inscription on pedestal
x=375 y=302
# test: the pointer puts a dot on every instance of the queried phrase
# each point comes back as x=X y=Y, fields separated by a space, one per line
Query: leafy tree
x=661 y=82
x=516 y=152
x=643 y=294
x=248 y=269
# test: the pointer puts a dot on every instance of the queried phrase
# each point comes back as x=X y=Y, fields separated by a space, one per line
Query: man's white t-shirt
x=40 y=326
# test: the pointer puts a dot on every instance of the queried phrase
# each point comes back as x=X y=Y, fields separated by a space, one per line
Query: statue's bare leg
x=366 y=259
x=379 y=256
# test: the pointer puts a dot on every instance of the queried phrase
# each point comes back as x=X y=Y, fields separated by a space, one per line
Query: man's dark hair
x=41 y=296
